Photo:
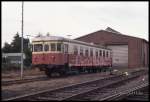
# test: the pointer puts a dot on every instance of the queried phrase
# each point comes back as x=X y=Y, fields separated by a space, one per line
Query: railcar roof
x=56 y=38
x=47 y=38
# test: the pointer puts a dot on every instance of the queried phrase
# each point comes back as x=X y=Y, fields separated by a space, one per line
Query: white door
x=120 y=55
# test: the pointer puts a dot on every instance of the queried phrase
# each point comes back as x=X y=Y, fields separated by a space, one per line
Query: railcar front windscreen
x=38 y=47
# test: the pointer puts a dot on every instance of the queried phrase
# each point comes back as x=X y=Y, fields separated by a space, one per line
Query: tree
x=16 y=44
x=6 y=48
x=15 y=47
x=28 y=59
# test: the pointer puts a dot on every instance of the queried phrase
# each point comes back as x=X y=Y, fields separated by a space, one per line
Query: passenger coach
x=61 y=55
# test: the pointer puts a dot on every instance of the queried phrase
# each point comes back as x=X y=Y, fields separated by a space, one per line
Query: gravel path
x=15 y=75
x=13 y=90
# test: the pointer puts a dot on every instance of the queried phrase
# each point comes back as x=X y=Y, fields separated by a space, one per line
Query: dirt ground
x=21 y=89
x=16 y=73
x=129 y=69
x=52 y=83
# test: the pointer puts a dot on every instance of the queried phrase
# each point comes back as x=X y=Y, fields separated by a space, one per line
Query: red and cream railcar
x=58 y=54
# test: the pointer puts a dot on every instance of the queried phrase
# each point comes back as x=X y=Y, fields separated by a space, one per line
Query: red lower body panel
x=74 y=60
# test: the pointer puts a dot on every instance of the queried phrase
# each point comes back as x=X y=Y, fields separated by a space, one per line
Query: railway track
x=26 y=80
x=19 y=81
x=72 y=91
x=141 y=94
x=120 y=95
x=111 y=92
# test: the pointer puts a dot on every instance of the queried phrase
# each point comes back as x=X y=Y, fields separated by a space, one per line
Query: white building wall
x=120 y=55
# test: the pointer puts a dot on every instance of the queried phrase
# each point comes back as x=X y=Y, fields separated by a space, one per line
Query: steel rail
x=68 y=86
x=79 y=95
x=120 y=94
x=59 y=88
x=18 y=81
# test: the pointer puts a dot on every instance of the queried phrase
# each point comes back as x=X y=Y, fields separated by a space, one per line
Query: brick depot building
x=128 y=51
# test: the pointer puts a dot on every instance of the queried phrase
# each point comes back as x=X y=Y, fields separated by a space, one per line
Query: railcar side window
x=62 y=48
x=75 y=50
x=107 y=54
x=38 y=47
x=91 y=52
x=81 y=50
x=46 y=47
x=86 y=52
x=103 y=53
x=53 y=47
x=58 y=47
x=111 y=54
x=65 y=48
x=96 y=53
x=100 y=52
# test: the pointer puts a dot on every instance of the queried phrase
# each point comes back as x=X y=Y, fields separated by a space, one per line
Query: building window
x=38 y=47
x=53 y=47
x=46 y=47
x=100 y=52
x=91 y=52
x=58 y=46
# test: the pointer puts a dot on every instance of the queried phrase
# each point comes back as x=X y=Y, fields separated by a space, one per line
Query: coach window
x=53 y=47
x=86 y=52
x=38 y=47
x=110 y=54
x=81 y=51
x=75 y=50
x=65 y=48
x=91 y=52
x=46 y=47
x=58 y=46
x=100 y=52
x=62 y=48
x=103 y=53
x=96 y=53
x=107 y=54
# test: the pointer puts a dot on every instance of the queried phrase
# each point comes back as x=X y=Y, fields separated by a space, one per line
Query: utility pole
x=22 y=44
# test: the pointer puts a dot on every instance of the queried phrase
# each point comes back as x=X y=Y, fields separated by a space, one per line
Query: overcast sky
x=74 y=18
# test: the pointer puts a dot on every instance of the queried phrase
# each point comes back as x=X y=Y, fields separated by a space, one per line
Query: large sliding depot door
x=120 y=55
